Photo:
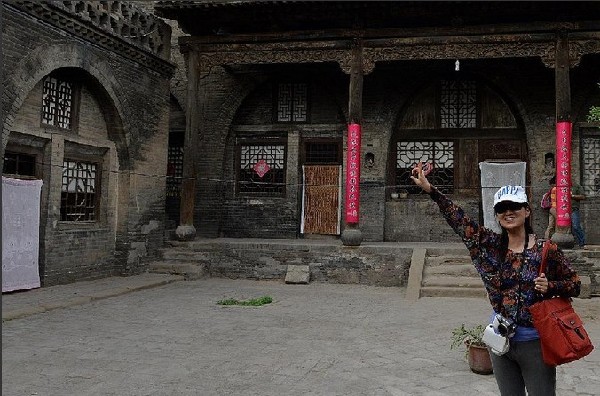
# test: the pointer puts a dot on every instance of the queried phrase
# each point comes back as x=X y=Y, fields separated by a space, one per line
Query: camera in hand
x=504 y=326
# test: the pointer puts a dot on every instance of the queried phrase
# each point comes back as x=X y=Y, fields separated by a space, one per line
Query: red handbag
x=562 y=335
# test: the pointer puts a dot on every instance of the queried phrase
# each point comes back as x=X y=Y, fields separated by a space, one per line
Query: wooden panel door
x=321 y=199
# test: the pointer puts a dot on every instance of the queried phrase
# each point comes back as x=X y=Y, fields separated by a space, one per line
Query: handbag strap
x=545 y=250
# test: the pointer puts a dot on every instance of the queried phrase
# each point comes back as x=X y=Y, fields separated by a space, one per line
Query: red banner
x=353 y=174
x=563 y=174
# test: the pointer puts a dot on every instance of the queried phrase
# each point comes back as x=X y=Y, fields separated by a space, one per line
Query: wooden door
x=321 y=199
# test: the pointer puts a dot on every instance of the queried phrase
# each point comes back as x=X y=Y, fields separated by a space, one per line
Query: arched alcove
x=69 y=122
x=456 y=122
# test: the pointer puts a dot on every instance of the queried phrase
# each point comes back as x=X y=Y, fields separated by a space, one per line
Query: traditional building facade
x=242 y=131
x=85 y=109
x=272 y=88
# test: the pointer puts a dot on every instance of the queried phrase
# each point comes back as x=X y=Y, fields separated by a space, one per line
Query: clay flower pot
x=476 y=351
x=479 y=359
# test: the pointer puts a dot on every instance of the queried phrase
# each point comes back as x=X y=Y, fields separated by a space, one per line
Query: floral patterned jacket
x=509 y=283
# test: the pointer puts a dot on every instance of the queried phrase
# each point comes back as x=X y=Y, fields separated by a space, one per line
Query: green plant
x=467 y=336
x=255 y=302
x=594 y=112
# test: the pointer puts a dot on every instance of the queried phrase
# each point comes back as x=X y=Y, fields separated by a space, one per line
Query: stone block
x=586 y=287
x=297 y=274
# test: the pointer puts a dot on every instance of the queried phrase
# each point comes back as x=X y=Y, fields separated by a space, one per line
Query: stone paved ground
x=315 y=339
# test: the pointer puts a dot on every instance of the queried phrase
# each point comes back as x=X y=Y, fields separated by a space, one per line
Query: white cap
x=510 y=193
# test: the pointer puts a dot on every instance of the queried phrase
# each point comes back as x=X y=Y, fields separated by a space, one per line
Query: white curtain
x=20 y=233
x=493 y=176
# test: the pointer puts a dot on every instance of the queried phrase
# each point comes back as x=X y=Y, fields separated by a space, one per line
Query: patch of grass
x=255 y=302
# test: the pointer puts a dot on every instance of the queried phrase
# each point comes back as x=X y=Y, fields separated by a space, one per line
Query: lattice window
x=322 y=153
x=408 y=154
x=57 y=103
x=458 y=104
x=292 y=102
x=19 y=164
x=79 y=195
x=262 y=169
x=174 y=171
x=590 y=152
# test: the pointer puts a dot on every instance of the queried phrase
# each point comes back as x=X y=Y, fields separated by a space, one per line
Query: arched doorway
x=456 y=121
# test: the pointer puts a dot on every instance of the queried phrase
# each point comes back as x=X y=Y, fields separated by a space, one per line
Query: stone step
x=179 y=254
x=452 y=282
x=451 y=274
x=460 y=251
x=594 y=254
x=189 y=271
x=433 y=261
x=451 y=270
x=465 y=292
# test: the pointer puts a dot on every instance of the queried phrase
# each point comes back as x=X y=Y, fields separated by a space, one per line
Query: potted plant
x=476 y=352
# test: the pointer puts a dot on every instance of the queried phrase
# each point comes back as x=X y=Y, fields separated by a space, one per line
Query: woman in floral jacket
x=509 y=265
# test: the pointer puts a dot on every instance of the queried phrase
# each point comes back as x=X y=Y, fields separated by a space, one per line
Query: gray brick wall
x=124 y=114
x=376 y=265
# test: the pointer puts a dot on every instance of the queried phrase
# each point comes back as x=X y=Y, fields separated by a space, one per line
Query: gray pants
x=522 y=367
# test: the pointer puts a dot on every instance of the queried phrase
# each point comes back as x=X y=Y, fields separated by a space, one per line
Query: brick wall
x=376 y=265
x=590 y=214
x=123 y=121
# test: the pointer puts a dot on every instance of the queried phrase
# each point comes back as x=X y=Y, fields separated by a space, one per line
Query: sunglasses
x=508 y=205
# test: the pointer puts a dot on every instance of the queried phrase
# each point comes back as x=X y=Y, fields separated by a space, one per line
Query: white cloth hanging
x=20 y=233
x=493 y=176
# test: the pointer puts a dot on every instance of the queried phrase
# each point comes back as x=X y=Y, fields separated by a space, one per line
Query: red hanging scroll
x=563 y=173
x=353 y=174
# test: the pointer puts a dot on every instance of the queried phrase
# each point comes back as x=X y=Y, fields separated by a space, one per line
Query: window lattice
x=78 y=197
x=272 y=181
x=591 y=165
x=19 y=164
x=408 y=154
x=458 y=107
x=322 y=153
x=292 y=102
x=57 y=103
x=174 y=171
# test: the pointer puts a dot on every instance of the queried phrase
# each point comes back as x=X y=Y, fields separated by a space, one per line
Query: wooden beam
x=186 y=229
x=523 y=30
x=562 y=81
x=356 y=86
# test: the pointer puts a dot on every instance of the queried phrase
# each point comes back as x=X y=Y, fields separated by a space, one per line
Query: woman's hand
x=418 y=176
x=541 y=284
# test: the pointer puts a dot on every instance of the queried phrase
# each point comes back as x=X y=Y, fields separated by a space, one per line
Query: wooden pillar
x=563 y=236
x=351 y=235
x=186 y=230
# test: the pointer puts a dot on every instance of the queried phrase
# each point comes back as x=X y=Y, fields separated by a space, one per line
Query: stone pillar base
x=186 y=232
x=351 y=236
x=563 y=238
